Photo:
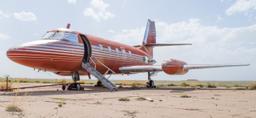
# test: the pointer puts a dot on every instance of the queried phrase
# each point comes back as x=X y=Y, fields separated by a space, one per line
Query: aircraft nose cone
x=27 y=53
x=11 y=53
x=50 y=55
x=20 y=55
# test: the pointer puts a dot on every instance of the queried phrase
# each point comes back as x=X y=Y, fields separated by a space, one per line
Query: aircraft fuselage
x=64 y=57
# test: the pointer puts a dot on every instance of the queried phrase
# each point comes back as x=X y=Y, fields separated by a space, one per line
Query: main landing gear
x=99 y=84
x=150 y=83
x=74 y=86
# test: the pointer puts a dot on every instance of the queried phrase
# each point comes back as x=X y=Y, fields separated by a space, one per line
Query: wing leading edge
x=137 y=69
x=190 y=67
x=158 y=68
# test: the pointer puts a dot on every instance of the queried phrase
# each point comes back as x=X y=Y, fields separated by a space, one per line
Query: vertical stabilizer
x=149 y=37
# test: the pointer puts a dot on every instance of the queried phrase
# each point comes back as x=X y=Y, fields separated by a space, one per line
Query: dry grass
x=60 y=104
x=141 y=99
x=62 y=82
x=61 y=101
x=136 y=85
x=131 y=114
x=13 y=108
x=252 y=87
x=184 y=84
x=142 y=83
x=211 y=85
x=171 y=84
x=200 y=85
x=131 y=82
x=124 y=99
x=120 y=86
x=185 y=96
x=3 y=86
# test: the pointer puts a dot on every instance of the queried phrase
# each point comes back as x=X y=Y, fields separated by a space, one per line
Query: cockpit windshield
x=55 y=35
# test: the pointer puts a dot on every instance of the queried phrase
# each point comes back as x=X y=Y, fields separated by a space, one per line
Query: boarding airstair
x=105 y=82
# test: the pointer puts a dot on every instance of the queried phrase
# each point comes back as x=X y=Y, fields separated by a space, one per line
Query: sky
x=221 y=31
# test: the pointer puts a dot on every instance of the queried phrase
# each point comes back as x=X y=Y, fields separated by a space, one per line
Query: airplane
x=71 y=53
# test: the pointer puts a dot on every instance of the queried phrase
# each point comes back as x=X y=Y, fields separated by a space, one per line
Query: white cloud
x=22 y=16
x=241 y=6
x=98 y=10
x=25 y=16
x=72 y=1
x=128 y=36
x=3 y=15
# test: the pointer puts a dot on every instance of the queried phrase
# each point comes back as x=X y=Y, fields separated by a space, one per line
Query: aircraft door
x=87 y=48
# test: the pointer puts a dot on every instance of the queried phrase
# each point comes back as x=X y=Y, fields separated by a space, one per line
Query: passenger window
x=100 y=46
x=123 y=51
x=117 y=50
x=130 y=53
x=109 y=49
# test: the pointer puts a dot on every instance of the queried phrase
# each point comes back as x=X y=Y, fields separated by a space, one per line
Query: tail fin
x=149 y=41
x=149 y=37
x=150 y=33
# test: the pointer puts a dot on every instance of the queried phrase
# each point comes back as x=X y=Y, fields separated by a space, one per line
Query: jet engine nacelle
x=174 y=67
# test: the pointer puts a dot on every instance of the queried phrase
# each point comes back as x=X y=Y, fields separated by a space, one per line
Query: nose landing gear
x=76 y=85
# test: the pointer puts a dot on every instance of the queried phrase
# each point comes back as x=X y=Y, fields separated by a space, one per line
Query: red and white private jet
x=67 y=52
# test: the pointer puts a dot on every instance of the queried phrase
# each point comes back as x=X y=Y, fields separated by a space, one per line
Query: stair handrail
x=104 y=65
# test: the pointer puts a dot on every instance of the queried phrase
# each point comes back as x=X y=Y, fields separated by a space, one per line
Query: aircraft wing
x=194 y=66
x=163 y=44
x=168 y=44
x=137 y=69
x=171 y=69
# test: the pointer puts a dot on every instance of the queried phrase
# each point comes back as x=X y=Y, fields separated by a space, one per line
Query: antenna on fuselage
x=68 y=26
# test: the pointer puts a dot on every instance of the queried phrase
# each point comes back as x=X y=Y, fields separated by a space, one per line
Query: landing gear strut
x=150 y=83
x=75 y=85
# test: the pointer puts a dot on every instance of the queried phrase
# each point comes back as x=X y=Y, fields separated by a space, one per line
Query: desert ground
x=128 y=102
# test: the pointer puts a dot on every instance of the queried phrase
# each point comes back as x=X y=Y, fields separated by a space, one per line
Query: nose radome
x=11 y=53
x=24 y=57
x=8 y=52
x=24 y=51
x=25 y=54
x=47 y=55
x=35 y=51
